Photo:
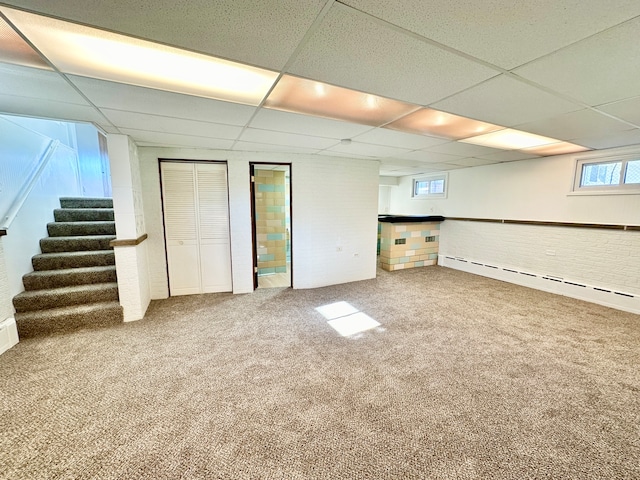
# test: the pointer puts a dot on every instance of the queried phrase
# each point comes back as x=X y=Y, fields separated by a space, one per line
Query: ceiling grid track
x=312 y=29
x=55 y=69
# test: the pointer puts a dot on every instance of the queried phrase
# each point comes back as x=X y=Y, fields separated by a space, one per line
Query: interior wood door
x=196 y=215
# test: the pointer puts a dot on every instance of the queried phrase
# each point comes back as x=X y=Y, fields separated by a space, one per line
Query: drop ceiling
x=557 y=68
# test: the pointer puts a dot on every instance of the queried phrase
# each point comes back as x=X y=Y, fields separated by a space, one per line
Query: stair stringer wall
x=22 y=242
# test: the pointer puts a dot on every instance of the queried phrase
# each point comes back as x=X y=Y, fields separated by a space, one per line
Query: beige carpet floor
x=465 y=378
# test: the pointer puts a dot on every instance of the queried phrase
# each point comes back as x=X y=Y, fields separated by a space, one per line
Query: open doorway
x=271 y=206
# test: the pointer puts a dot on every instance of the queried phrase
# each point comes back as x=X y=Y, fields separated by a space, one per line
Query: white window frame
x=619 y=188
x=429 y=178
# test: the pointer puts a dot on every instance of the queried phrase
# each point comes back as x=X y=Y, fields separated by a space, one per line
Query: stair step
x=67 y=319
x=86 y=202
x=69 y=276
x=76 y=243
x=65 y=296
x=59 y=261
x=74 y=229
x=83 y=214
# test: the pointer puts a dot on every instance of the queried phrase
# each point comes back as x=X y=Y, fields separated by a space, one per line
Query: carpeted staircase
x=73 y=284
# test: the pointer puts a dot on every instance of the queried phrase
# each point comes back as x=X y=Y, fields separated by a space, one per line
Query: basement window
x=608 y=175
x=431 y=186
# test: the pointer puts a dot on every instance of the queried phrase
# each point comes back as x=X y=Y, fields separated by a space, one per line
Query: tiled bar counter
x=408 y=241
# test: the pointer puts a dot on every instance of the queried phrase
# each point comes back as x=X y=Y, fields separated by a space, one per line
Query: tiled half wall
x=408 y=245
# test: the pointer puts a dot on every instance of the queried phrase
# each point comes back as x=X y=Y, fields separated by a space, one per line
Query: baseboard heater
x=599 y=294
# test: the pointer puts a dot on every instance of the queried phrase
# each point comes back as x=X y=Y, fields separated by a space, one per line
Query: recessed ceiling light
x=427 y=121
x=510 y=139
x=89 y=52
x=16 y=51
x=299 y=95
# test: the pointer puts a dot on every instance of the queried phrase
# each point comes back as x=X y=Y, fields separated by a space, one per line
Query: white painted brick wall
x=157 y=264
x=133 y=283
x=240 y=225
x=335 y=206
x=131 y=261
x=334 y=203
x=599 y=257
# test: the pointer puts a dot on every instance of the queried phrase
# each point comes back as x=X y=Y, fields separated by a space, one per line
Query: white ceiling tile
x=474 y=162
x=224 y=28
x=170 y=139
x=271 y=137
x=462 y=149
x=390 y=172
x=399 y=162
x=156 y=123
x=351 y=50
x=628 y=110
x=618 y=139
x=368 y=150
x=394 y=171
x=329 y=153
x=393 y=138
x=569 y=126
x=428 y=157
x=603 y=68
x=263 y=147
x=118 y=96
x=37 y=83
x=505 y=101
x=443 y=166
x=502 y=32
x=43 y=108
x=306 y=125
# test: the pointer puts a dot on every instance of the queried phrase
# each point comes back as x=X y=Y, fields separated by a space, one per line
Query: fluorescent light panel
x=510 y=139
x=90 y=52
x=427 y=121
x=556 y=149
x=94 y=53
x=300 y=95
x=16 y=51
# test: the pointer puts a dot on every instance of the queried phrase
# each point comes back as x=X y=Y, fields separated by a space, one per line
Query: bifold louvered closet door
x=196 y=221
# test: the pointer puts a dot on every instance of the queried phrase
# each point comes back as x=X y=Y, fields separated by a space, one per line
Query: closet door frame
x=194 y=163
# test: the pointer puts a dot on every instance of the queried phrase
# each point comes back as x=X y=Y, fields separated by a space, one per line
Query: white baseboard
x=599 y=294
x=8 y=334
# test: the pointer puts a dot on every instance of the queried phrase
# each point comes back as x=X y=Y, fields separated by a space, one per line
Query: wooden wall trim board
x=129 y=242
x=607 y=226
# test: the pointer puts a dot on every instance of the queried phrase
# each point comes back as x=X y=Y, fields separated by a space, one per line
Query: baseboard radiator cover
x=8 y=334
x=599 y=294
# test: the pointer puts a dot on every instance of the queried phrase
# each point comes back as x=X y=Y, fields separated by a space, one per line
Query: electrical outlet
x=338 y=249
x=356 y=254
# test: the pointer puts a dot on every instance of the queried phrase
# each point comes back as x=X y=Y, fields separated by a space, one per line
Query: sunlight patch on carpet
x=346 y=319
x=336 y=310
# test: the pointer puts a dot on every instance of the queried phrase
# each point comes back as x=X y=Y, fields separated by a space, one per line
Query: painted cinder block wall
x=334 y=216
x=131 y=260
x=539 y=190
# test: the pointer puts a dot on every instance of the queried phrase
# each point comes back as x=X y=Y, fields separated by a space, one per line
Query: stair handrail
x=22 y=196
